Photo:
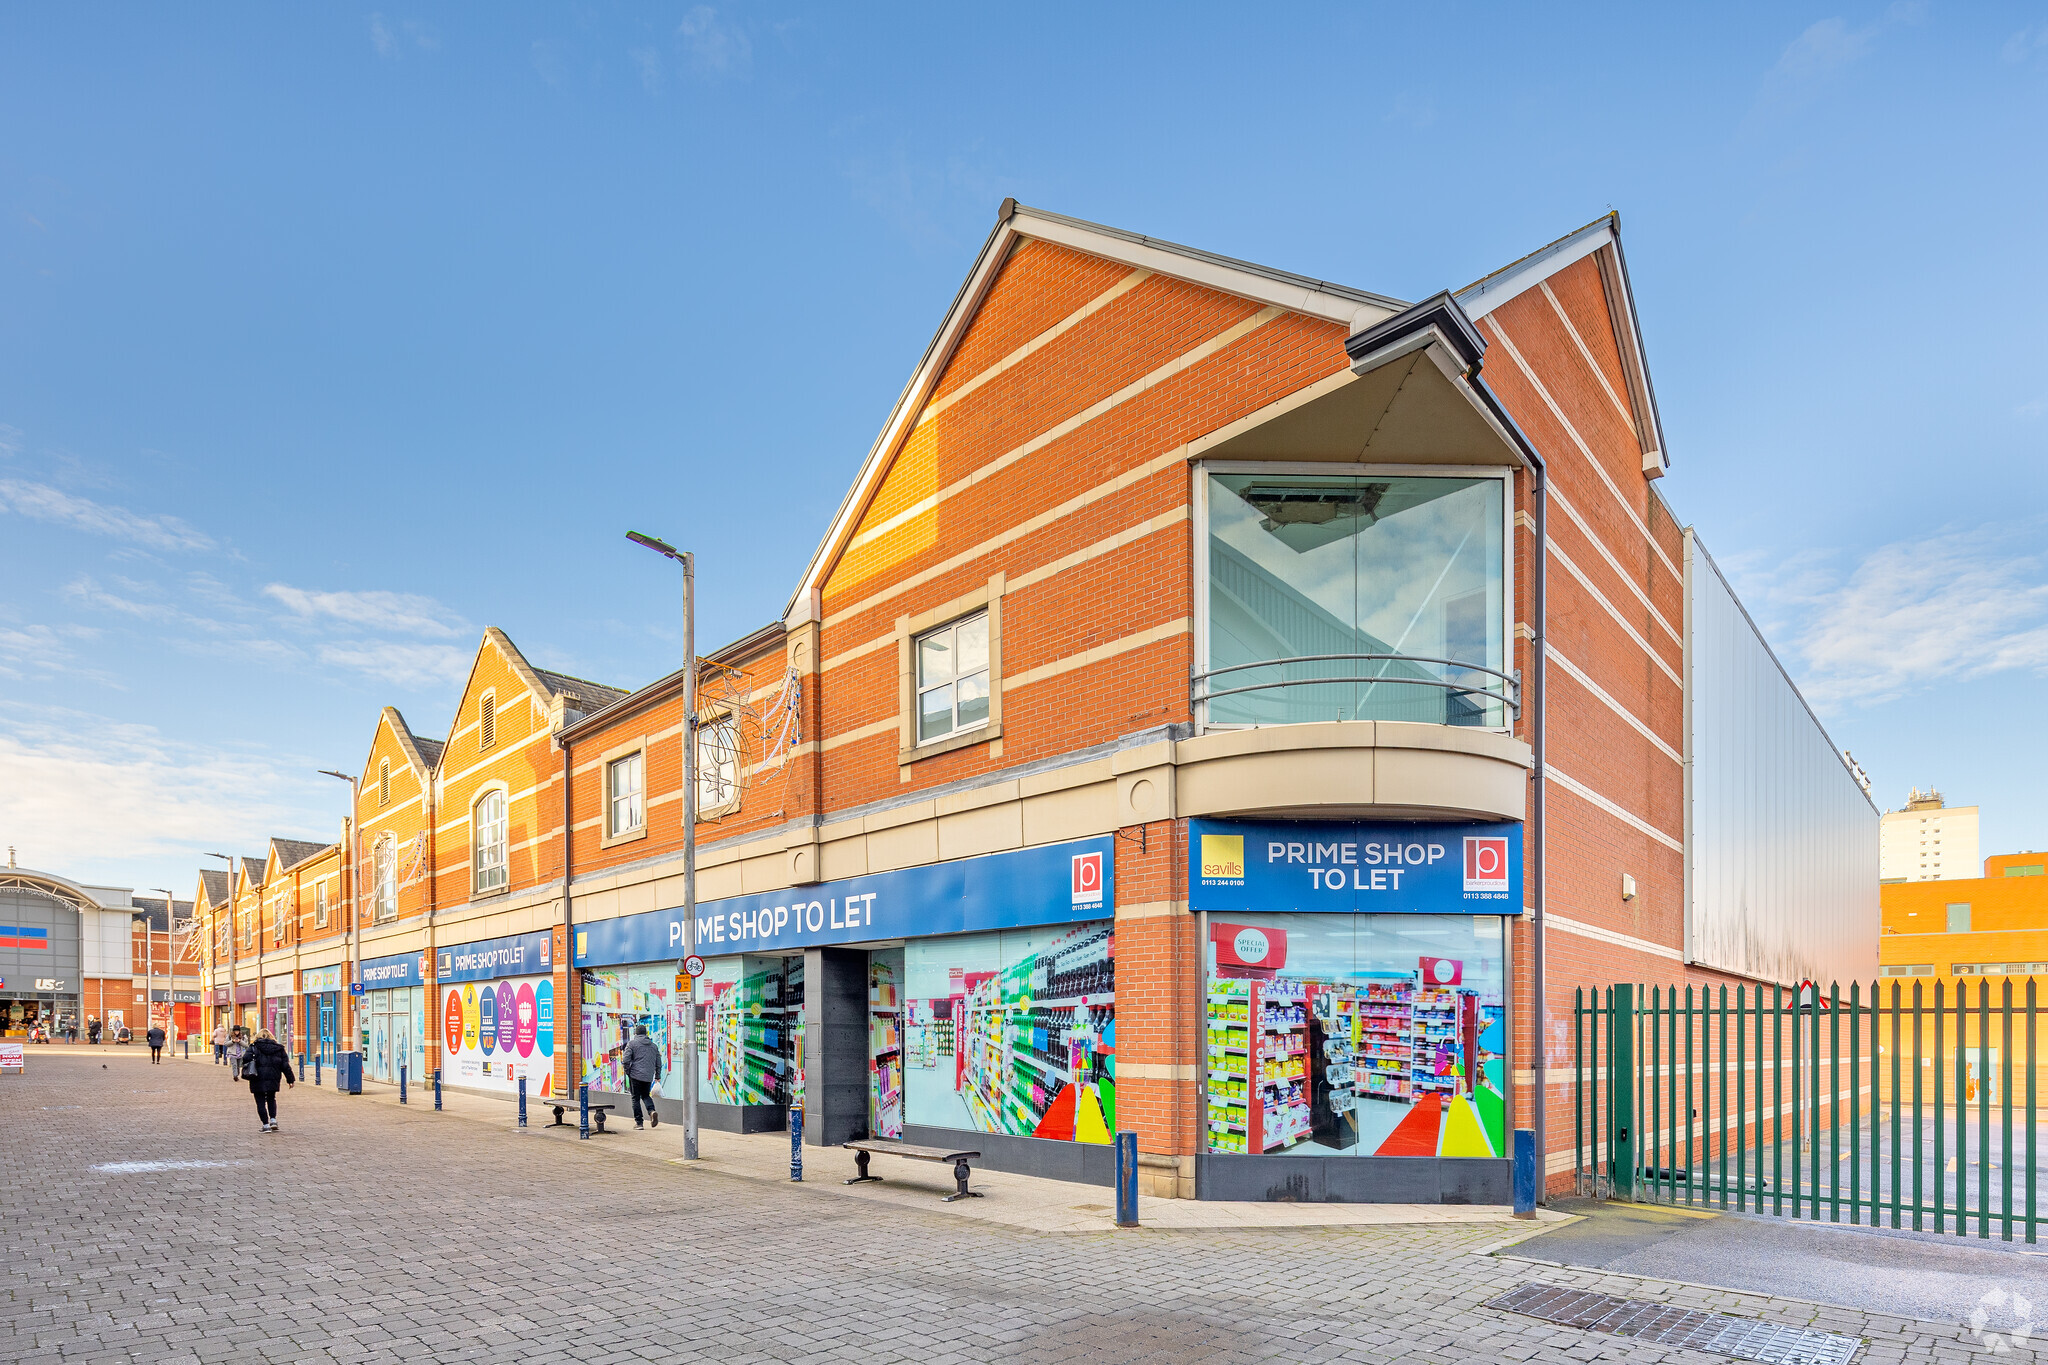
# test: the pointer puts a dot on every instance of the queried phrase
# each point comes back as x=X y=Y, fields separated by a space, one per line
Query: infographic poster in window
x=1013 y=1032
x=751 y=1042
x=1356 y=1035
x=495 y=1032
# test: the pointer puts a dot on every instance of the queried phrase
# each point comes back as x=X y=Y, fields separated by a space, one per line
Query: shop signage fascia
x=515 y=955
x=1402 y=867
x=248 y=993
x=1054 y=884
x=162 y=996
x=389 y=973
x=316 y=980
x=276 y=986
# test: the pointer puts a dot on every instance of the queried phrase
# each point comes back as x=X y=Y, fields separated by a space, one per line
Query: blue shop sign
x=389 y=973
x=517 y=955
x=1403 y=867
x=1052 y=885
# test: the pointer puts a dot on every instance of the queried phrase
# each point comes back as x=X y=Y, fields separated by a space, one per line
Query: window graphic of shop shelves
x=885 y=1050
x=1039 y=1037
x=1435 y=1028
x=751 y=1039
x=1258 y=1065
x=1383 y=1049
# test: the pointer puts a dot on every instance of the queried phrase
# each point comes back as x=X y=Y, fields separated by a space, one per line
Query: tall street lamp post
x=347 y=1023
x=234 y=987
x=689 y=563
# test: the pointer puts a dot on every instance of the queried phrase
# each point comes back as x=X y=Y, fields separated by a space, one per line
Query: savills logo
x=1087 y=879
x=1222 y=857
x=1486 y=864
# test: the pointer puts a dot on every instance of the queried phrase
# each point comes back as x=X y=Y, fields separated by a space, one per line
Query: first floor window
x=384 y=880
x=489 y=822
x=320 y=906
x=952 y=678
x=626 y=781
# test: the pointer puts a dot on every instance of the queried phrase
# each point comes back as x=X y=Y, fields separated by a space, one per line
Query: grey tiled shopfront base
x=1081 y=1162
x=1354 y=1179
x=717 y=1118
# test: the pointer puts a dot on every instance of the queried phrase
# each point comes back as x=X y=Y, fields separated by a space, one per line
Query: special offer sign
x=1387 y=867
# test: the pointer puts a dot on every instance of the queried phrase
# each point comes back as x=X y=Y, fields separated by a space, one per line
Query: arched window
x=384 y=879
x=487 y=840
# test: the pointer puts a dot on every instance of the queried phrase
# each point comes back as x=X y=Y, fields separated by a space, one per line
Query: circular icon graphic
x=1251 y=946
x=508 y=1016
x=451 y=1020
x=1444 y=970
x=524 y=1038
x=544 y=1017
x=469 y=1020
x=487 y=1020
x=693 y=965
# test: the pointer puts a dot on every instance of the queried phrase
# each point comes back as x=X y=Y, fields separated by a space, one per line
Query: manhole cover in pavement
x=1667 y=1325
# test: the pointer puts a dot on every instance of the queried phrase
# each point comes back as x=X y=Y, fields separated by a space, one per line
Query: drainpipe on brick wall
x=1539 y=496
x=569 y=977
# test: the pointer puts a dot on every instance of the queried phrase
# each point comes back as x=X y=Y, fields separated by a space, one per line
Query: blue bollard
x=302 y=1063
x=1525 y=1173
x=796 y=1143
x=583 y=1114
x=1127 y=1180
x=316 y=1068
x=522 y=1104
x=437 y=1087
x=401 y=1083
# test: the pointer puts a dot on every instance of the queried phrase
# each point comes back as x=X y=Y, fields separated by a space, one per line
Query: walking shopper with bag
x=156 y=1044
x=263 y=1066
x=220 y=1044
x=237 y=1049
x=643 y=1069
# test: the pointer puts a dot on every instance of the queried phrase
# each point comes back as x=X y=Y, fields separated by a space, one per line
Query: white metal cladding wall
x=1781 y=842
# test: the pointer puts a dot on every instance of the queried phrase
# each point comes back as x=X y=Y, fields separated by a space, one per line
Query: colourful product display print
x=754 y=1019
x=1357 y=1035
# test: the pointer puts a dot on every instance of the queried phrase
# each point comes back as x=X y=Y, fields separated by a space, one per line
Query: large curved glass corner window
x=489 y=838
x=1355 y=597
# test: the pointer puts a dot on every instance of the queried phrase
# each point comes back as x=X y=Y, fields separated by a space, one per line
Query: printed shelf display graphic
x=615 y=1001
x=1321 y=1042
x=1013 y=1032
x=498 y=1031
x=753 y=1047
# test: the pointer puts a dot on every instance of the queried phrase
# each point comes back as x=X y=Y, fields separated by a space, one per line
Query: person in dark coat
x=92 y=1030
x=156 y=1045
x=264 y=1065
x=643 y=1069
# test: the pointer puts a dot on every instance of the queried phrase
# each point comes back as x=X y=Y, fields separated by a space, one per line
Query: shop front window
x=1355 y=598
x=1356 y=1035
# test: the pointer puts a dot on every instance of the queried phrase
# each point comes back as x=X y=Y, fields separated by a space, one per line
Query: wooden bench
x=863 y=1147
x=597 y=1113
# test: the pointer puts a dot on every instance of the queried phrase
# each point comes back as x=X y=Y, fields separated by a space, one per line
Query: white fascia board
x=1295 y=298
x=1490 y=293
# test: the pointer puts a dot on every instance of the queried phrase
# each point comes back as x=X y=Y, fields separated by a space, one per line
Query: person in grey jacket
x=643 y=1069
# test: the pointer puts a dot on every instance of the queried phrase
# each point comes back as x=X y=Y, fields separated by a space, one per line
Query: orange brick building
x=1222 y=705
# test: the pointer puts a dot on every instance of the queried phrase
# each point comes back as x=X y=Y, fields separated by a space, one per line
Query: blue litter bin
x=348 y=1073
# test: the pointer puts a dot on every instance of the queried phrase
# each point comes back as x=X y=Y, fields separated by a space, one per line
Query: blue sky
x=330 y=335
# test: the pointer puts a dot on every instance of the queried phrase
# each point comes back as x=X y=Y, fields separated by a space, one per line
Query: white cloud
x=41 y=651
x=382 y=38
x=1822 y=50
x=78 y=791
x=649 y=63
x=2025 y=45
x=399 y=664
x=1954 y=606
x=398 y=613
x=716 y=45
x=41 y=502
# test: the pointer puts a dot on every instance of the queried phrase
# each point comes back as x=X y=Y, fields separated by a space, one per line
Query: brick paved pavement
x=365 y=1233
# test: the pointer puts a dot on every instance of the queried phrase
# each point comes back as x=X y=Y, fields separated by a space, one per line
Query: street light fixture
x=348 y=857
x=689 y=565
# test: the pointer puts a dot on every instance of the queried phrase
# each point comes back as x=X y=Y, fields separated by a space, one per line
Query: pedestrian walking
x=71 y=1032
x=220 y=1044
x=156 y=1044
x=237 y=1048
x=263 y=1066
x=643 y=1069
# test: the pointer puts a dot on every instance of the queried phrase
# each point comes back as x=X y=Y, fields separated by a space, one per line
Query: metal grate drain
x=1742 y=1338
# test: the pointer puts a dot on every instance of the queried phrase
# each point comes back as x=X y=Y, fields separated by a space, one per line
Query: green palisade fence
x=1893 y=1106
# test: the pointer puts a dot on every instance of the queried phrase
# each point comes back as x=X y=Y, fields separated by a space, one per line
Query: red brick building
x=1222 y=704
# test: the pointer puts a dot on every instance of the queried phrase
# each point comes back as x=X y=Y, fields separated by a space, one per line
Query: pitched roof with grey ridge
x=153 y=908
x=216 y=881
x=582 y=689
x=252 y=871
x=292 y=852
x=430 y=750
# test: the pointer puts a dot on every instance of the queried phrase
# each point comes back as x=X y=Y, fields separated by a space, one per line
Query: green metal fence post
x=2005 y=1111
x=1685 y=1111
x=1742 y=1109
x=1621 y=1092
x=1723 y=1069
x=1940 y=1061
x=1580 y=1088
x=1919 y=1141
x=1895 y=1104
x=1654 y=1146
x=2032 y=1067
x=1813 y=1142
x=1778 y=1096
x=1855 y=1101
x=1984 y=1110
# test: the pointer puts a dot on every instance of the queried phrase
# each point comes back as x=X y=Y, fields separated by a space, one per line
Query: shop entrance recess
x=1903 y=1106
